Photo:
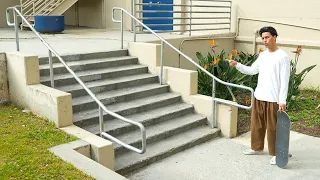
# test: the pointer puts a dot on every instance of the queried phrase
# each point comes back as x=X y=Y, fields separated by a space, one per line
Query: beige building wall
x=289 y=11
x=87 y=14
x=97 y=14
x=190 y=46
x=297 y=23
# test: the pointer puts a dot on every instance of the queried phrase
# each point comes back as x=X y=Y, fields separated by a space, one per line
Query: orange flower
x=216 y=60
x=205 y=67
x=247 y=100
x=230 y=56
x=298 y=51
x=260 y=49
x=235 y=52
x=211 y=42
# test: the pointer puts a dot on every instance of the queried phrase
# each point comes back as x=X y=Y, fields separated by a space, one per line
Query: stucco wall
x=289 y=11
x=87 y=14
x=97 y=14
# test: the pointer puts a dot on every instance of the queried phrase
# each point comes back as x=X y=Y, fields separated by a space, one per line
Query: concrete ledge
x=148 y=54
x=73 y=153
x=4 y=89
x=26 y=91
x=181 y=80
x=53 y=104
x=102 y=150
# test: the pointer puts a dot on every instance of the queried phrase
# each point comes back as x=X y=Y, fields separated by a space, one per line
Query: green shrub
x=215 y=64
x=296 y=79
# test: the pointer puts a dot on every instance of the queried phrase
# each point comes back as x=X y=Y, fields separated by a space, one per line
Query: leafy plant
x=296 y=79
x=215 y=64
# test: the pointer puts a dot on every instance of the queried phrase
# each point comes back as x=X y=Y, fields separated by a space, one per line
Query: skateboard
x=282 y=139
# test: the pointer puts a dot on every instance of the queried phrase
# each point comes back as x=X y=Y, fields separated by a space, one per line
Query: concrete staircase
x=126 y=87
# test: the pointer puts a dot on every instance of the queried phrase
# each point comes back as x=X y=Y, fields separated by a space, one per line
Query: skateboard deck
x=282 y=139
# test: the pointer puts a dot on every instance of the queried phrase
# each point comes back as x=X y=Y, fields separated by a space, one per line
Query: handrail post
x=51 y=68
x=121 y=26
x=33 y=8
x=190 y=17
x=134 y=25
x=213 y=103
x=15 y=18
x=101 y=121
x=230 y=16
x=161 y=62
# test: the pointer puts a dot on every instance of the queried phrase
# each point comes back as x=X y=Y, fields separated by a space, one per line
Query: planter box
x=49 y=24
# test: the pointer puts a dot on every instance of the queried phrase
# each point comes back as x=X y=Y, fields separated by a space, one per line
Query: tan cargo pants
x=264 y=117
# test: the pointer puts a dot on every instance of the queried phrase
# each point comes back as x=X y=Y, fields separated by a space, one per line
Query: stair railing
x=102 y=108
x=190 y=19
x=163 y=41
x=30 y=8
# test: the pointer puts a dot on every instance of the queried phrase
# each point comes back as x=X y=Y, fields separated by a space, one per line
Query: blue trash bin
x=49 y=24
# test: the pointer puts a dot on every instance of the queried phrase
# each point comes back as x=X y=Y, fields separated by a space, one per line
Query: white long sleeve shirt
x=273 y=78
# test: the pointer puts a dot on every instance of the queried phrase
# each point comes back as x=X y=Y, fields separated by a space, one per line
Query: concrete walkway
x=73 y=41
x=223 y=159
x=218 y=159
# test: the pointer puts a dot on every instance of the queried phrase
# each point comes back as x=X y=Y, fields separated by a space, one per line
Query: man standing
x=273 y=66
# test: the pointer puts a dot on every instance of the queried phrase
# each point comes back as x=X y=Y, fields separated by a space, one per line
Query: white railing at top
x=30 y=8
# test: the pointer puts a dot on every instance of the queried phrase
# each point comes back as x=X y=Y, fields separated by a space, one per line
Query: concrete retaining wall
x=4 y=90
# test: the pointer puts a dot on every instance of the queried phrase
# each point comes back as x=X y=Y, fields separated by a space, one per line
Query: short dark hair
x=269 y=29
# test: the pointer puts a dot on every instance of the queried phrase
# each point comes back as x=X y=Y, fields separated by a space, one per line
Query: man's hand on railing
x=231 y=62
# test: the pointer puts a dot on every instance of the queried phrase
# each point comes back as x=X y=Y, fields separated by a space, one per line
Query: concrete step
x=77 y=57
x=116 y=96
x=131 y=161
x=95 y=74
x=116 y=127
x=109 y=84
x=160 y=131
x=81 y=65
x=88 y=117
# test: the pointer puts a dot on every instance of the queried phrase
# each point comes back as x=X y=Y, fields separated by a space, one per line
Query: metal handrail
x=163 y=41
x=37 y=7
x=101 y=106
